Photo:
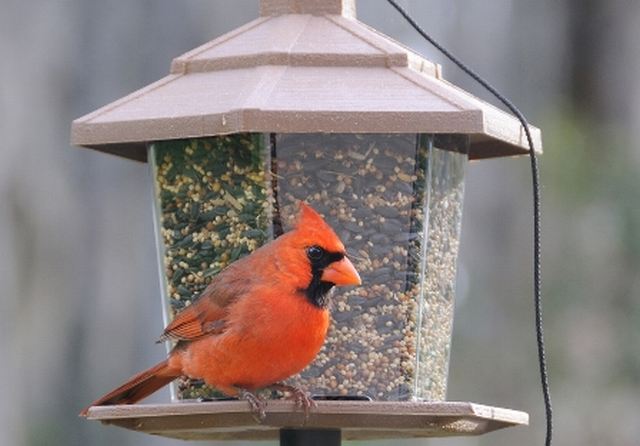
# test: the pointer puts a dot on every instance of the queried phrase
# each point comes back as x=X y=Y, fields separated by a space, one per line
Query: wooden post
x=310 y=437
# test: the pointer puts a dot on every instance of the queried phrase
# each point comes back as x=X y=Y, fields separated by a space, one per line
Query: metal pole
x=310 y=437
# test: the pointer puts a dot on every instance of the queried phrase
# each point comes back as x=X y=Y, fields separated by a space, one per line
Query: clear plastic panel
x=437 y=293
x=212 y=207
x=396 y=202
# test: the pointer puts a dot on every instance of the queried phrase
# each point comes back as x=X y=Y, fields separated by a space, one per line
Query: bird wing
x=207 y=314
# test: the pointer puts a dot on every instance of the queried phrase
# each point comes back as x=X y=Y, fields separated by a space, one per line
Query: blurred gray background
x=79 y=300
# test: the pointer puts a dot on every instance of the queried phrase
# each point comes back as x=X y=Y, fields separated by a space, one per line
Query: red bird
x=260 y=320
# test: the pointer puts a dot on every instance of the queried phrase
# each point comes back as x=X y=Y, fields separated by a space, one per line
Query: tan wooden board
x=358 y=420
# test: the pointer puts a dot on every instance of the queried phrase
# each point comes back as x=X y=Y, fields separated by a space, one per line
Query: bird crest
x=312 y=227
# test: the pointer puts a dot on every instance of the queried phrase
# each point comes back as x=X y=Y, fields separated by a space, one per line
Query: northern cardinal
x=260 y=320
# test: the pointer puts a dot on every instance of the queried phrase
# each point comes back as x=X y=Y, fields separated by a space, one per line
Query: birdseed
x=394 y=200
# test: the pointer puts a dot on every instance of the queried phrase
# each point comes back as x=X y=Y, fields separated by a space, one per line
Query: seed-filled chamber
x=395 y=200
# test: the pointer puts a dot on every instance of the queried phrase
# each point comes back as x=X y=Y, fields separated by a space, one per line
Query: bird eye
x=315 y=252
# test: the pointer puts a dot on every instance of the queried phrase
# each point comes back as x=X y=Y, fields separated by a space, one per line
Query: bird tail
x=137 y=387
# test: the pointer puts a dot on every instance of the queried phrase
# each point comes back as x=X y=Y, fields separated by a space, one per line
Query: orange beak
x=341 y=273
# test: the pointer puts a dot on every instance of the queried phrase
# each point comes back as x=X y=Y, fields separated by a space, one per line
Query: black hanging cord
x=535 y=176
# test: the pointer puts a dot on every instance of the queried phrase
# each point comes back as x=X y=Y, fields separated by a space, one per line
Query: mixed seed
x=213 y=209
x=394 y=200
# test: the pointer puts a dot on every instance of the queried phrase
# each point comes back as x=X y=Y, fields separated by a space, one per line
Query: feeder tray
x=358 y=420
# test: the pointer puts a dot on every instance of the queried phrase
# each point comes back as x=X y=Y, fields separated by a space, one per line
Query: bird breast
x=270 y=337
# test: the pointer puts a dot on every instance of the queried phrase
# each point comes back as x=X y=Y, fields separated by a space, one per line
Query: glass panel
x=211 y=209
x=374 y=191
x=435 y=320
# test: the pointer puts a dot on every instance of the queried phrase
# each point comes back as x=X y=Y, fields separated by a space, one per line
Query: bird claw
x=258 y=406
x=301 y=399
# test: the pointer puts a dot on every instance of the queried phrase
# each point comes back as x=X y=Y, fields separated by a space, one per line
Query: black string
x=535 y=176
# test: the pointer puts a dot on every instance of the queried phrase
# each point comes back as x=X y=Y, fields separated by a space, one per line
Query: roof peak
x=299 y=40
x=345 y=8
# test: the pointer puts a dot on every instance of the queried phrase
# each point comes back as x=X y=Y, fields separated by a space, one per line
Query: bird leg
x=301 y=398
x=257 y=404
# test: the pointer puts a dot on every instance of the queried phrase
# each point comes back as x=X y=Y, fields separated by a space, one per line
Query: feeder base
x=358 y=420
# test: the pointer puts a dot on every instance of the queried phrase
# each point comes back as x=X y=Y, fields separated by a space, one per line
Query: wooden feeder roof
x=304 y=66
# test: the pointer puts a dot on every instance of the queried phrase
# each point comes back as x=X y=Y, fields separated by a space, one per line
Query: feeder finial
x=345 y=8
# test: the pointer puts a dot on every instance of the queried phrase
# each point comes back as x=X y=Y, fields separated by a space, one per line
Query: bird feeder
x=307 y=103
